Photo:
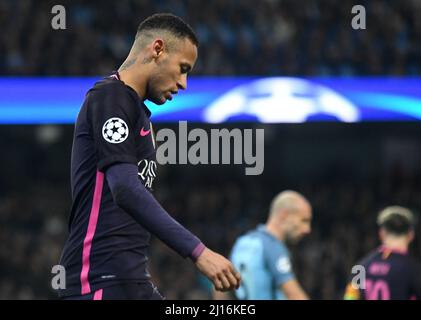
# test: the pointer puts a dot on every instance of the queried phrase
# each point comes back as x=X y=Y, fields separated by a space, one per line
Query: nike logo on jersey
x=144 y=132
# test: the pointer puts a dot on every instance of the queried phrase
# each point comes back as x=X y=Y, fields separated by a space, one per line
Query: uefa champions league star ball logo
x=115 y=130
x=281 y=99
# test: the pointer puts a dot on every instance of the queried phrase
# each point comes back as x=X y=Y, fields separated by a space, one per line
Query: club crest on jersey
x=115 y=130
x=283 y=265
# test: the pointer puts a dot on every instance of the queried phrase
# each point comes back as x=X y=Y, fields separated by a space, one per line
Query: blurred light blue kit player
x=262 y=257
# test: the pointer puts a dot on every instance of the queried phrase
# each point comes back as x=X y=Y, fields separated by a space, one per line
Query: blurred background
x=349 y=168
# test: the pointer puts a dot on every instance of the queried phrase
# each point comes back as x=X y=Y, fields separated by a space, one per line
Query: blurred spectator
x=245 y=37
x=264 y=37
x=217 y=203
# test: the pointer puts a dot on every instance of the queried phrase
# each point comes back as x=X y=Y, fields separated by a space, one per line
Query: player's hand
x=219 y=270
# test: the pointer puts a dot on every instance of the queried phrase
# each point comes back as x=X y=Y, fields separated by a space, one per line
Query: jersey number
x=377 y=290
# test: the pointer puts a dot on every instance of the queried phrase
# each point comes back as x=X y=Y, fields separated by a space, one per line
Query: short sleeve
x=113 y=114
x=279 y=263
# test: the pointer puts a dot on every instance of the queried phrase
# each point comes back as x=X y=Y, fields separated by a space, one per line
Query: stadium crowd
x=216 y=203
x=266 y=37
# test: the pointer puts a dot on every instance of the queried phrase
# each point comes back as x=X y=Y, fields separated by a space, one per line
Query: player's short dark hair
x=396 y=220
x=168 y=22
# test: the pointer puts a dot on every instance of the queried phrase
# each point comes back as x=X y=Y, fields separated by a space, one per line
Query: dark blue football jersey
x=105 y=244
x=389 y=275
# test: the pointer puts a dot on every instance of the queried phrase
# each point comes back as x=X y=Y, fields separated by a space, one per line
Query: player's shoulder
x=388 y=256
x=111 y=90
x=110 y=85
x=373 y=255
x=248 y=239
x=108 y=94
x=257 y=234
x=273 y=246
x=268 y=238
x=249 y=235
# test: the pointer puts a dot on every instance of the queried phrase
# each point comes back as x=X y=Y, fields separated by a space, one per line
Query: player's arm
x=131 y=195
x=293 y=290
x=218 y=295
x=117 y=159
x=281 y=269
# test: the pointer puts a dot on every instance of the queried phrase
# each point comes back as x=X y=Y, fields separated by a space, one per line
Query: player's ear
x=158 y=47
x=283 y=215
x=382 y=234
x=411 y=236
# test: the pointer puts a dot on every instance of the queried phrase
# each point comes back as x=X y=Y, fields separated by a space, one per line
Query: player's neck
x=136 y=83
x=398 y=244
x=274 y=231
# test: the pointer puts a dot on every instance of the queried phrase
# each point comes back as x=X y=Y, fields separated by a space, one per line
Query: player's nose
x=182 y=82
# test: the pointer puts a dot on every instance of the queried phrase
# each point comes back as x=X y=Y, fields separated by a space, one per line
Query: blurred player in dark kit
x=390 y=273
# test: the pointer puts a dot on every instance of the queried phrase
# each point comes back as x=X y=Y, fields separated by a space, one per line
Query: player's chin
x=294 y=240
x=299 y=238
x=159 y=100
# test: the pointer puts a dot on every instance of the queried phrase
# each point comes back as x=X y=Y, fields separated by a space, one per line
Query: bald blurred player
x=261 y=255
x=390 y=274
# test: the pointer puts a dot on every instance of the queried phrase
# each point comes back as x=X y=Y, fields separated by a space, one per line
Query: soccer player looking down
x=262 y=257
x=390 y=274
x=113 y=167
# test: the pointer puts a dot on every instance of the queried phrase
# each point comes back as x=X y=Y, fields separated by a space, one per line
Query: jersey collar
x=116 y=75
x=383 y=248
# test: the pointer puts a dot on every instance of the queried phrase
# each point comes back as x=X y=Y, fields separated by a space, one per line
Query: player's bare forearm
x=220 y=295
x=293 y=290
